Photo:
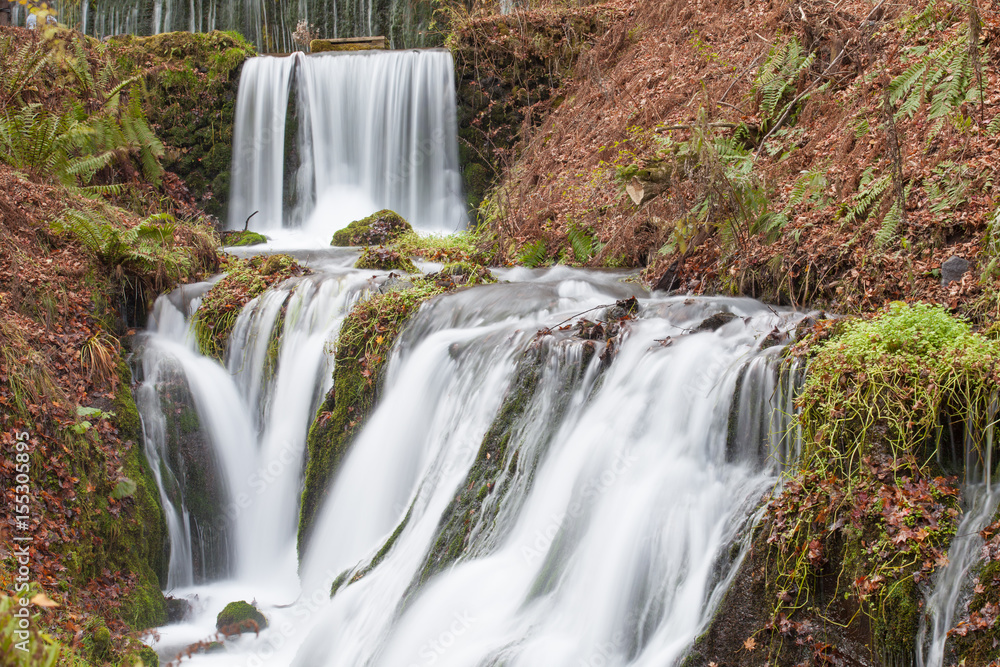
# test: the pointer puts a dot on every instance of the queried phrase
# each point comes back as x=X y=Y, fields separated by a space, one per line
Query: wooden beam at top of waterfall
x=347 y=44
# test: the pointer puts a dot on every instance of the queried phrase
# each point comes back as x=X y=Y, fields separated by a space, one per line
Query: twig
x=246 y=224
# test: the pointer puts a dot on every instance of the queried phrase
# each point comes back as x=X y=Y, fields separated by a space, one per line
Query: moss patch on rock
x=379 y=228
x=844 y=555
x=243 y=238
x=245 y=279
x=363 y=346
x=384 y=259
x=239 y=617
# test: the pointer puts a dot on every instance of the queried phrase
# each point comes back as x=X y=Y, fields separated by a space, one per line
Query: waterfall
x=269 y=24
x=599 y=529
x=374 y=130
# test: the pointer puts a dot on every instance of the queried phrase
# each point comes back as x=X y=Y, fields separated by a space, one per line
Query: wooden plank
x=347 y=44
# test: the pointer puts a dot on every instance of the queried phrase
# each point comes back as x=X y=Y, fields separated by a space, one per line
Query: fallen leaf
x=750 y=644
x=42 y=600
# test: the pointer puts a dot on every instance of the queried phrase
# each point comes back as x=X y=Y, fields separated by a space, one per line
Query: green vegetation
x=238 y=617
x=384 y=259
x=190 y=100
x=362 y=349
x=41 y=650
x=868 y=515
x=379 y=228
x=243 y=238
x=159 y=251
x=245 y=279
x=478 y=247
x=104 y=127
x=883 y=385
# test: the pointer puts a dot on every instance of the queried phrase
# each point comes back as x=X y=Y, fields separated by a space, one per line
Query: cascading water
x=269 y=24
x=607 y=485
x=375 y=130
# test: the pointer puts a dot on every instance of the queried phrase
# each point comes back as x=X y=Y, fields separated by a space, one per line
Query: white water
x=944 y=602
x=609 y=545
x=375 y=130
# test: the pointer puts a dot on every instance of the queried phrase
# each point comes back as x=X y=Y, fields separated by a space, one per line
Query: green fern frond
x=533 y=254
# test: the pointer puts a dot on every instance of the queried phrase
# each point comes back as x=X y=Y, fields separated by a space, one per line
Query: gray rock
x=715 y=321
x=953 y=268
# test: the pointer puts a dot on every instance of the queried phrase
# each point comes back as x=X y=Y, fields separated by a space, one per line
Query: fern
x=944 y=79
x=868 y=198
x=948 y=187
x=583 y=244
x=890 y=223
x=778 y=78
x=533 y=254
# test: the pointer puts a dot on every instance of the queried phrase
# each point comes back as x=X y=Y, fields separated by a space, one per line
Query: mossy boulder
x=239 y=617
x=243 y=238
x=385 y=259
x=379 y=228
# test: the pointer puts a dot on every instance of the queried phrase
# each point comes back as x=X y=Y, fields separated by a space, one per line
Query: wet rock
x=669 y=281
x=239 y=617
x=716 y=321
x=178 y=609
x=953 y=269
x=394 y=283
x=377 y=229
x=625 y=309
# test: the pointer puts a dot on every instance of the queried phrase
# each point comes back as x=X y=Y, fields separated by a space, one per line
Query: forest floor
x=760 y=129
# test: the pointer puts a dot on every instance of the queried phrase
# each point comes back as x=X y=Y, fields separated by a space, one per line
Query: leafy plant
x=868 y=198
x=991 y=245
x=583 y=244
x=944 y=78
x=778 y=79
x=533 y=254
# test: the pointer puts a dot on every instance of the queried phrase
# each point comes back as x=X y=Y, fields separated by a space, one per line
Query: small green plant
x=868 y=198
x=533 y=254
x=37 y=651
x=584 y=245
x=991 y=245
x=778 y=79
x=944 y=78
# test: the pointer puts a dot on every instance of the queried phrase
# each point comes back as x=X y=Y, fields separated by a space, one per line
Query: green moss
x=100 y=639
x=243 y=238
x=190 y=100
x=378 y=228
x=384 y=259
x=895 y=628
x=363 y=346
x=883 y=384
x=245 y=279
x=467 y=273
x=240 y=617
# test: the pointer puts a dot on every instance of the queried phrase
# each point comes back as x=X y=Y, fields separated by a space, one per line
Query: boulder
x=953 y=269
x=239 y=617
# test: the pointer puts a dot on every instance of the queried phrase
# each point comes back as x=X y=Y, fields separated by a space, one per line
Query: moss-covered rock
x=379 y=228
x=366 y=338
x=384 y=259
x=243 y=238
x=190 y=100
x=245 y=279
x=238 y=617
x=467 y=273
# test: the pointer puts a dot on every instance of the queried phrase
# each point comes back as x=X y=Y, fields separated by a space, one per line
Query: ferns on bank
x=103 y=126
x=778 y=79
x=944 y=78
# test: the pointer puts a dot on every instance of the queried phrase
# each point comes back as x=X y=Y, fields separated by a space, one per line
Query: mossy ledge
x=384 y=259
x=362 y=349
x=243 y=238
x=245 y=280
x=844 y=555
